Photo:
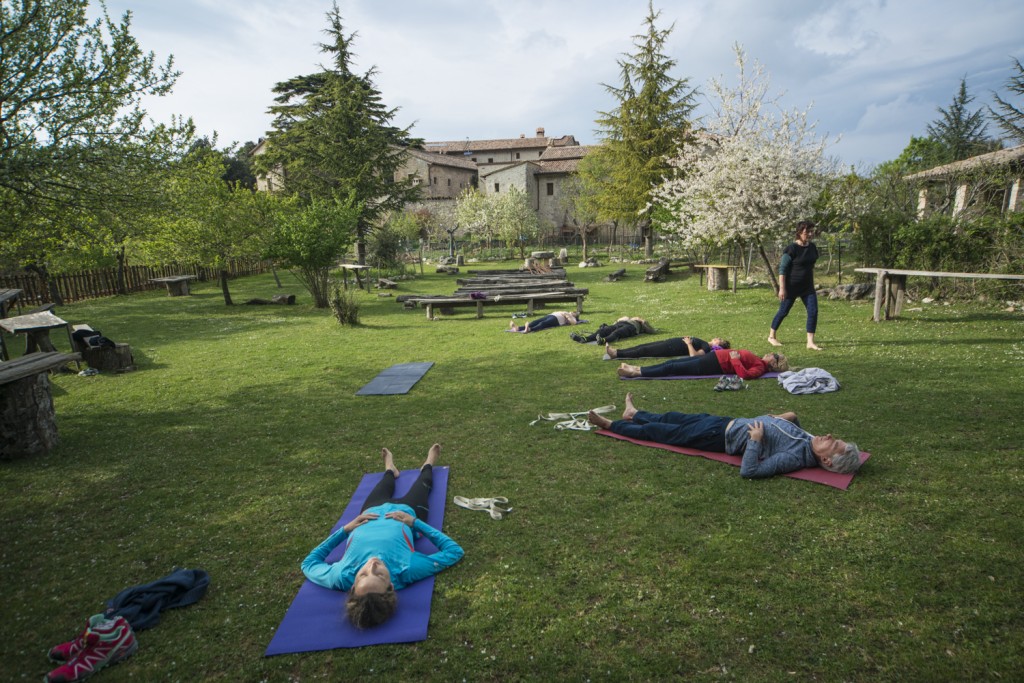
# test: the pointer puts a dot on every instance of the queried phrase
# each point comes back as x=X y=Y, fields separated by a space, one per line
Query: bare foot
x=626 y=370
x=512 y=326
x=773 y=341
x=612 y=353
x=813 y=347
x=389 y=462
x=598 y=420
x=630 y=410
x=432 y=455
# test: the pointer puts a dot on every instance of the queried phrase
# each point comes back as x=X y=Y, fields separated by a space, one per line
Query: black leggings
x=417 y=498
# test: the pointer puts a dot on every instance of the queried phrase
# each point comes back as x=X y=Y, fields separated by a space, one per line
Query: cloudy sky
x=874 y=70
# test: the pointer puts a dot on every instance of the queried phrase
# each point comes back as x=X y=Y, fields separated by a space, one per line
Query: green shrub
x=344 y=305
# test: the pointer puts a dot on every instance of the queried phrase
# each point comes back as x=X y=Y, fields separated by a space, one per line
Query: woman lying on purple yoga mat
x=769 y=444
x=380 y=558
x=723 y=361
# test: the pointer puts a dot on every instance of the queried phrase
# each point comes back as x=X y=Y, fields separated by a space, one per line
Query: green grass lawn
x=238 y=441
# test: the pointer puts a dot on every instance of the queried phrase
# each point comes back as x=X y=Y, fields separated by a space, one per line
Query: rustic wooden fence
x=91 y=284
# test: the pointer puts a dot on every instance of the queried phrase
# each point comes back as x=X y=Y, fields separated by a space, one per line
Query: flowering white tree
x=474 y=213
x=515 y=220
x=759 y=170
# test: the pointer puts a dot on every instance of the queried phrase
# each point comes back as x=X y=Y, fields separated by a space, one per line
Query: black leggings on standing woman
x=417 y=498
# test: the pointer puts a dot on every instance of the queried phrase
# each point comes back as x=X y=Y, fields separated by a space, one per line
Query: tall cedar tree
x=333 y=138
x=650 y=124
x=1009 y=117
x=960 y=131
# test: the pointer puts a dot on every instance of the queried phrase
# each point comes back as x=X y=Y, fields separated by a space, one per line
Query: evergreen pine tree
x=650 y=123
x=333 y=137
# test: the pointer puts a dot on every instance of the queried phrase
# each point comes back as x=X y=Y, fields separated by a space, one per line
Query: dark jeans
x=692 y=430
x=612 y=333
x=690 y=365
x=417 y=498
x=666 y=348
x=541 y=323
x=810 y=303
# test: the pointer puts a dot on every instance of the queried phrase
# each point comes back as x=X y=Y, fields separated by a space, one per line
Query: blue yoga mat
x=316 y=619
x=398 y=379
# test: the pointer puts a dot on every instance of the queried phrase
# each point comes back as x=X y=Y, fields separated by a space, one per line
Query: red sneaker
x=105 y=642
x=67 y=651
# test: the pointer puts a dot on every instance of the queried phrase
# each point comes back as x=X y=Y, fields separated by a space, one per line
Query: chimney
x=540 y=132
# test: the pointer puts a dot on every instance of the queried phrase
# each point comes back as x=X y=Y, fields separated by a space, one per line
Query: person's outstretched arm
x=448 y=553
x=324 y=573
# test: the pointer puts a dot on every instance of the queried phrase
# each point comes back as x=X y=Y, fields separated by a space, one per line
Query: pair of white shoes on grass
x=491 y=505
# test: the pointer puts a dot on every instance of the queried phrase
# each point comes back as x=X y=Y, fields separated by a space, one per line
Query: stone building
x=981 y=183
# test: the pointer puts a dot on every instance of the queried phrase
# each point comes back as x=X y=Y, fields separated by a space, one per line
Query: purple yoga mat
x=316 y=619
x=815 y=474
x=767 y=375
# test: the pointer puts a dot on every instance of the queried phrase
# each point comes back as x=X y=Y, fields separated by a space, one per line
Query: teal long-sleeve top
x=388 y=539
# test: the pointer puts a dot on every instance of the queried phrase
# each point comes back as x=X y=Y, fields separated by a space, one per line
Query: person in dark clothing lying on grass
x=669 y=348
x=380 y=558
x=740 y=362
x=769 y=444
x=622 y=328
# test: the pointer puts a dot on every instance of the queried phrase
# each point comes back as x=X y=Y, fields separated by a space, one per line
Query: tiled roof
x=559 y=166
x=476 y=146
x=574 y=152
x=442 y=159
x=1003 y=156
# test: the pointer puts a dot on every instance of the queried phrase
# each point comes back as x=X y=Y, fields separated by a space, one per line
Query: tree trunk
x=224 y=288
x=646 y=232
x=121 y=287
x=584 y=240
x=768 y=265
x=277 y=278
x=48 y=284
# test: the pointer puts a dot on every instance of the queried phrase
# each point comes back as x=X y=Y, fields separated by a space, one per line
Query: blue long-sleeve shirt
x=784 y=447
x=388 y=539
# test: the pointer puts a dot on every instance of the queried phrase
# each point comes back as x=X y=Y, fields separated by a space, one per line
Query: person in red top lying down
x=721 y=362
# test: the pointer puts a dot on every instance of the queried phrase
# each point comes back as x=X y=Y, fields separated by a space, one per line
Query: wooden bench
x=36 y=327
x=531 y=300
x=891 y=286
x=177 y=285
x=615 y=275
x=27 y=421
x=659 y=272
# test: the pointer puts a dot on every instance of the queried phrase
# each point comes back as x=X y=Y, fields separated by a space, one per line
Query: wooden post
x=880 y=293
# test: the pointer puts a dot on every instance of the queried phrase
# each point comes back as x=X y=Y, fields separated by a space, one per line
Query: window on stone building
x=449 y=182
x=435 y=180
x=551 y=189
x=517 y=155
x=490 y=160
x=497 y=187
x=474 y=160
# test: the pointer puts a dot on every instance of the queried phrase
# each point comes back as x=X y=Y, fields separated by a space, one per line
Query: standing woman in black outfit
x=796 y=281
